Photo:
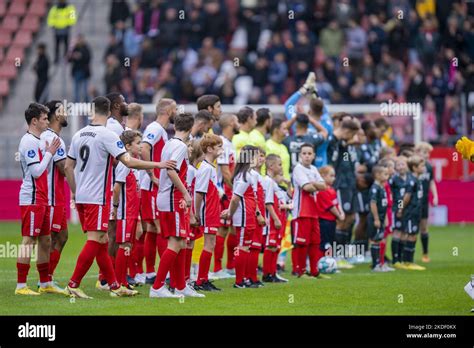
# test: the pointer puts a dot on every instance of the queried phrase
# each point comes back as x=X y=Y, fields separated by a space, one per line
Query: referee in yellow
x=278 y=132
x=259 y=134
x=247 y=121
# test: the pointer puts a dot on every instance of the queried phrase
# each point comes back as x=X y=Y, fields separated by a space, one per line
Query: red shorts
x=306 y=231
x=175 y=223
x=257 y=238
x=273 y=239
x=125 y=230
x=195 y=233
x=225 y=205
x=148 y=210
x=58 y=219
x=35 y=220
x=93 y=217
x=244 y=235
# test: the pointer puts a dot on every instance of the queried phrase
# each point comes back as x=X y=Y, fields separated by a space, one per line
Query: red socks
x=43 y=270
x=240 y=265
x=204 y=266
x=274 y=262
x=232 y=243
x=383 y=245
x=161 y=243
x=295 y=259
x=218 y=253
x=166 y=262
x=121 y=263
x=22 y=272
x=137 y=256
x=150 y=251
x=84 y=262
x=314 y=256
x=189 y=259
x=105 y=263
x=302 y=256
x=53 y=262
x=267 y=262
x=177 y=270
x=252 y=264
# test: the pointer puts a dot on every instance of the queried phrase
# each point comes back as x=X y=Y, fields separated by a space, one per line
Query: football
x=327 y=265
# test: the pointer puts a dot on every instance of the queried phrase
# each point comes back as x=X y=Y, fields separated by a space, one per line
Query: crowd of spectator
x=260 y=51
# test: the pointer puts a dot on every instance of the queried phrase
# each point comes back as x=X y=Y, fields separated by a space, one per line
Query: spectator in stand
x=119 y=11
x=113 y=74
x=61 y=18
x=332 y=40
x=41 y=68
x=80 y=58
x=278 y=72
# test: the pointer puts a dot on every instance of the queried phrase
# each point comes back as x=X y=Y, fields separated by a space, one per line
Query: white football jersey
x=33 y=190
x=227 y=158
x=48 y=136
x=168 y=195
x=156 y=136
x=304 y=202
x=93 y=148
x=115 y=126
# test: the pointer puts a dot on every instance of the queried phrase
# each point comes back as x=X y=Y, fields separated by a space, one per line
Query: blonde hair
x=197 y=152
x=423 y=145
x=134 y=109
x=415 y=161
x=325 y=170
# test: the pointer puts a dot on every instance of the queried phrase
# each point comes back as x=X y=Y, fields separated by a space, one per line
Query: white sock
x=44 y=285
x=150 y=275
x=20 y=285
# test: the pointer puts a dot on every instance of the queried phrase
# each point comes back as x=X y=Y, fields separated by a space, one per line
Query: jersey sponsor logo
x=60 y=151
x=150 y=136
x=119 y=144
x=31 y=153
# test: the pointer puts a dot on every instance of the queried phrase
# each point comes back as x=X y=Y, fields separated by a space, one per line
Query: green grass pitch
x=436 y=291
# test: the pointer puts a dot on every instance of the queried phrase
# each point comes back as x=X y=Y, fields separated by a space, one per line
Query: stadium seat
x=17 y=9
x=14 y=53
x=37 y=8
x=8 y=71
x=22 y=39
x=3 y=8
x=5 y=38
x=11 y=23
x=30 y=23
x=4 y=88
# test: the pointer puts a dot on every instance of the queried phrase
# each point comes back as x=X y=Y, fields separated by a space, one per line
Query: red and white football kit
x=195 y=232
x=155 y=135
x=270 y=232
x=305 y=218
x=210 y=210
x=56 y=196
x=174 y=215
x=128 y=209
x=93 y=148
x=34 y=204
x=227 y=158
x=244 y=219
x=257 y=237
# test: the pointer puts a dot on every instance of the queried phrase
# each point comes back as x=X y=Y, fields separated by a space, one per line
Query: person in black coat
x=41 y=67
x=80 y=58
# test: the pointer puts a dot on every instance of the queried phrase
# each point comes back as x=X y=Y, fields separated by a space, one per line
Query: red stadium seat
x=3 y=8
x=17 y=9
x=22 y=39
x=15 y=53
x=30 y=23
x=5 y=38
x=37 y=8
x=4 y=88
x=8 y=71
x=2 y=55
x=11 y=23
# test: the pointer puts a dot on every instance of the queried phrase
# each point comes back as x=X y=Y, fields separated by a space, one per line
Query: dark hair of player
x=366 y=125
x=101 y=106
x=263 y=114
x=276 y=124
x=183 y=122
x=53 y=106
x=316 y=106
x=246 y=157
x=302 y=120
x=306 y=145
x=114 y=98
x=386 y=151
x=210 y=140
x=415 y=161
x=407 y=153
x=35 y=110
x=244 y=114
x=203 y=115
x=129 y=136
x=338 y=116
x=350 y=124
x=381 y=122
x=207 y=100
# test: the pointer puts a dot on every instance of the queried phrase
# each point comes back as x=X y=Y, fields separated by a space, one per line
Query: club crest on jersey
x=150 y=136
x=120 y=144
x=31 y=153
x=60 y=152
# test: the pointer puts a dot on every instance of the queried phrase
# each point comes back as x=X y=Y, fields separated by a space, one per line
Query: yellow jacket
x=61 y=18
